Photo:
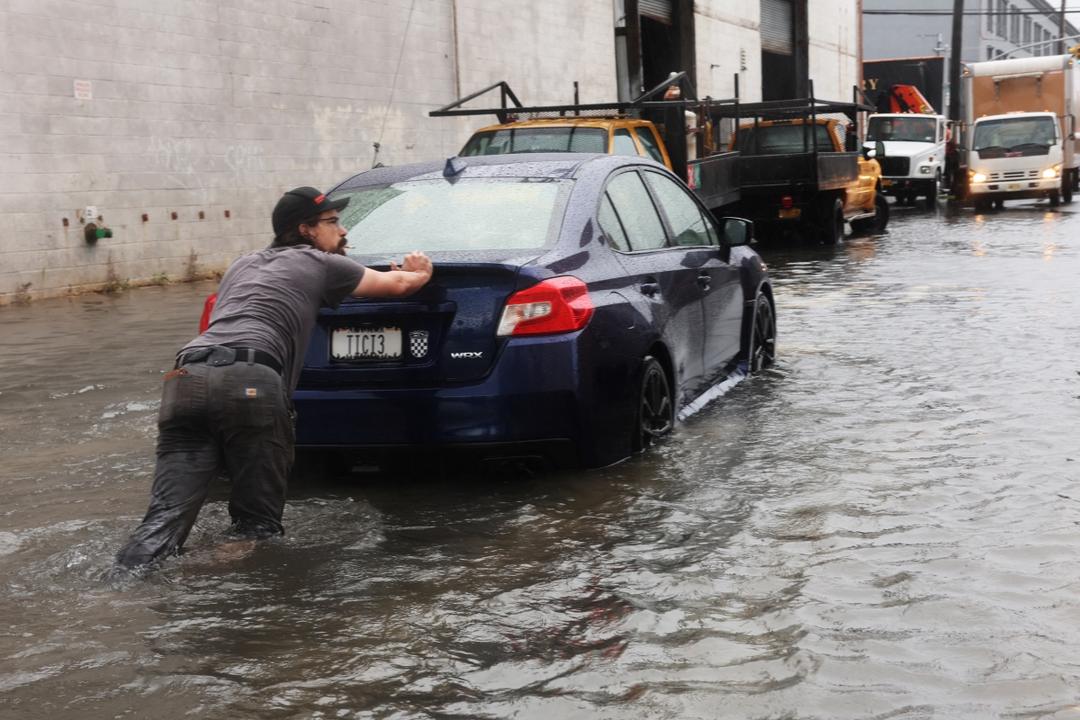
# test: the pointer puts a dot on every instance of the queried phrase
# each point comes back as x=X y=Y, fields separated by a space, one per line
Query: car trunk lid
x=445 y=333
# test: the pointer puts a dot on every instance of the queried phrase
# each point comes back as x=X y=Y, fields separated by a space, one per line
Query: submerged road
x=885 y=525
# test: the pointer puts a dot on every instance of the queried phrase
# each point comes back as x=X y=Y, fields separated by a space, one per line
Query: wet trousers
x=217 y=414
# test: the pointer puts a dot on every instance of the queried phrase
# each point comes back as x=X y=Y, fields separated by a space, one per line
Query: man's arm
x=413 y=274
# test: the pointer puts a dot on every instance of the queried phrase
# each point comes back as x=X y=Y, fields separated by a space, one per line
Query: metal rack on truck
x=800 y=168
x=645 y=126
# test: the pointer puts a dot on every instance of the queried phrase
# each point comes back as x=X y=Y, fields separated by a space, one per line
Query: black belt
x=243 y=354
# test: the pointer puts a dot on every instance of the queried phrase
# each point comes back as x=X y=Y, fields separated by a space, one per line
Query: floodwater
x=886 y=525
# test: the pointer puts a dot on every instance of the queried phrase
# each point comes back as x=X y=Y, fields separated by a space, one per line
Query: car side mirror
x=736 y=231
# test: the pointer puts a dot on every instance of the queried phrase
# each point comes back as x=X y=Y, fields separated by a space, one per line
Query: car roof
x=602 y=123
x=555 y=166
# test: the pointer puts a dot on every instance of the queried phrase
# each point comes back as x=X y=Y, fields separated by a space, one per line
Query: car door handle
x=704 y=280
x=650 y=288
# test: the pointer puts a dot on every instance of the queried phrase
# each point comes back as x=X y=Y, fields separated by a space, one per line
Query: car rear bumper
x=532 y=395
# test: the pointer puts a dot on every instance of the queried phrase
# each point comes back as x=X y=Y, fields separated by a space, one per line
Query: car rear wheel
x=759 y=350
x=656 y=408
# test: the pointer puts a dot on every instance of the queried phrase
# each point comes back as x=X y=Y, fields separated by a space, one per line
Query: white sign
x=84 y=90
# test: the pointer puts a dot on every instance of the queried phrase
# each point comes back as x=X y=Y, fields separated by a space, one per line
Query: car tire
x=759 y=341
x=656 y=405
x=832 y=222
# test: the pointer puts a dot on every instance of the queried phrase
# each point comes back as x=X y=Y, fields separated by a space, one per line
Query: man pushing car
x=226 y=405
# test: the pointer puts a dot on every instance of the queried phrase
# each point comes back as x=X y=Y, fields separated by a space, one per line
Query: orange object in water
x=908 y=99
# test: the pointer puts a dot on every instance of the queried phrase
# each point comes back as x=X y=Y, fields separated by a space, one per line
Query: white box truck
x=1021 y=129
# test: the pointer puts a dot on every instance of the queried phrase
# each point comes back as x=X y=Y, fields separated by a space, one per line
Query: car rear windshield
x=1026 y=136
x=463 y=215
x=537 y=140
x=912 y=129
x=783 y=139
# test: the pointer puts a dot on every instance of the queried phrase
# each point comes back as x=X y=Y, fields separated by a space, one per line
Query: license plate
x=886 y=183
x=1014 y=186
x=789 y=213
x=365 y=343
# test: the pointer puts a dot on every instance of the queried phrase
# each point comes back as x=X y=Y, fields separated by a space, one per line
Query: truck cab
x=914 y=160
x=613 y=135
x=1015 y=155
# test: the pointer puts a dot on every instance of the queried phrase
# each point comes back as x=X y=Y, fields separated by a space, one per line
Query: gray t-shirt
x=269 y=299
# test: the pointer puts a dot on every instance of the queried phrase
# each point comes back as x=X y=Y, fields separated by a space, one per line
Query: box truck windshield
x=1014 y=137
x=911 y=129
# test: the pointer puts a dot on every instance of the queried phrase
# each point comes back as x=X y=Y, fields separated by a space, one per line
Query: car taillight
x=557 y=305
x=208 y=307
x=787 y=202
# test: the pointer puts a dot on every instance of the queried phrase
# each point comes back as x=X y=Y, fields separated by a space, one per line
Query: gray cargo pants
x=220 y=413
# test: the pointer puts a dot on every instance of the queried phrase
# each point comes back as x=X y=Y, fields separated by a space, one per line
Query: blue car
x=578 y=304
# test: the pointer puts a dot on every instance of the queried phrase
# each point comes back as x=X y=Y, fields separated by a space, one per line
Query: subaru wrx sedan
x=578 y=304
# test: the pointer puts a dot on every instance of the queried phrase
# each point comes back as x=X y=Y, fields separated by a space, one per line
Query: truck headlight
x=924 y=169
x=1052 y=172
x=978 y=177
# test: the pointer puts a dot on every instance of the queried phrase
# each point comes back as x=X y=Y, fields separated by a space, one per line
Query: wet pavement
x=883 y=526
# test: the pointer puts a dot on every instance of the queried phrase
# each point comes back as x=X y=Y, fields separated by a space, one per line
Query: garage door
x=777 y=27
x=656 y=10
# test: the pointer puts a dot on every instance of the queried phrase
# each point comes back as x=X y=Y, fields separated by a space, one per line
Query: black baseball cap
x=300 y=204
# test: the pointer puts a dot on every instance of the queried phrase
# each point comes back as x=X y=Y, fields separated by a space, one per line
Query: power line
x=949 y=13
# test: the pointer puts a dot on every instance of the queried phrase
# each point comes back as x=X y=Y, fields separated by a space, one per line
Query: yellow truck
x=803 y=173
x=614 y=135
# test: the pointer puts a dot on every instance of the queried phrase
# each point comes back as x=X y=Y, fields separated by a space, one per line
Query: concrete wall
x=729 y=42
x=182 y=121
x=834 y=48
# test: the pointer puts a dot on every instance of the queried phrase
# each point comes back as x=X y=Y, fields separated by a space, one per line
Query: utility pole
x=952 y=158
x=1061 y=30
x=954 y=59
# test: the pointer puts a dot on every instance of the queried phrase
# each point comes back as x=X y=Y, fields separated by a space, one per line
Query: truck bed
x=715 y=179
x=762 y=174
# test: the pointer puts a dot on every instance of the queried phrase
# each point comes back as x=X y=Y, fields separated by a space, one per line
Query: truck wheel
x=933 y=190
x=881 y=214
x=832 y=222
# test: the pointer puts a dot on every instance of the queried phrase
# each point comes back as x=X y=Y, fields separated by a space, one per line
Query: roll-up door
x=659 y=10
x=777 y=27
